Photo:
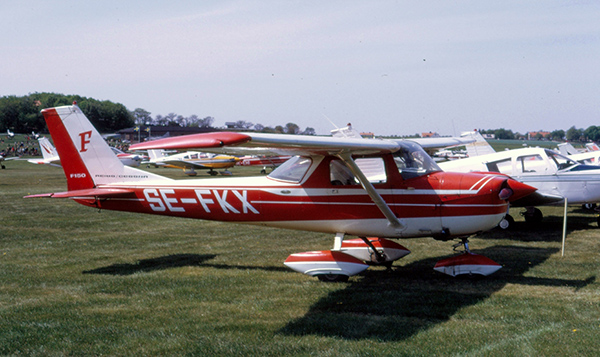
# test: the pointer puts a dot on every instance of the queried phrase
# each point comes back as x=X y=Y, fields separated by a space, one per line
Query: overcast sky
x=391 y=67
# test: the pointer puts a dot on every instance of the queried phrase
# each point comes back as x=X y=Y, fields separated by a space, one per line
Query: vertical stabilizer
x=48 y=151
x=86 y=158
x=479 y=147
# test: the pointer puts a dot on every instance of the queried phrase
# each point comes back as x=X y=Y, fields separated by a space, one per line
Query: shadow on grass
x=392 y=306
x=173 y=261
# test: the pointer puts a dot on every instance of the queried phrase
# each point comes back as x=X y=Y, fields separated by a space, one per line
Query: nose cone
x=519 y=190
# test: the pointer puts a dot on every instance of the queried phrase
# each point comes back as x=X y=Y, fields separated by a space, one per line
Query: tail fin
x=86 y=158
x=154 y=154
x=567 y=149
x=479 y=147
x=48 y=151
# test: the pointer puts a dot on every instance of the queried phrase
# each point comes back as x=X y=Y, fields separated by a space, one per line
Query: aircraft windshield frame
x=412 y=161
x=293 y=170
x=560 y=161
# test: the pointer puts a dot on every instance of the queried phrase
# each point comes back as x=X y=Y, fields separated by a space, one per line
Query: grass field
x=75 y=281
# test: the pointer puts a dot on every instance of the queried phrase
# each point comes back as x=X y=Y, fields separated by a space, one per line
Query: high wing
x=278 y=144
x=275 y=144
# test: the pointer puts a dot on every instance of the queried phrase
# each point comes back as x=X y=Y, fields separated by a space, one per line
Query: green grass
x=75 y=281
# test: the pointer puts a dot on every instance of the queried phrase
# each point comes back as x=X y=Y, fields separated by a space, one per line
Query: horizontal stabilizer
x=87 y=193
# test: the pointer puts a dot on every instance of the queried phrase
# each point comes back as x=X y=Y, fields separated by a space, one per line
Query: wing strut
x=377 y=199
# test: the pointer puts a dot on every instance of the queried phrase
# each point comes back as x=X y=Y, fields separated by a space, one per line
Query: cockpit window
x=530 y=164
x=292 y=170
x=372 y=167
x=561 y=162
x=413 y=161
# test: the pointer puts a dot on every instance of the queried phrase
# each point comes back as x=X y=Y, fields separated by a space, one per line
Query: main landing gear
x=466 y=263
x=347 y=258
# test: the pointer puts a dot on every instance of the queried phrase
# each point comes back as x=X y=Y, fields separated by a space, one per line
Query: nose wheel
x=464 y=242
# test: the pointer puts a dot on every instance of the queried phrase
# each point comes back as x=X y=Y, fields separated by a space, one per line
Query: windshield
x=413 y=161
x=292 y=170
x=561 y=162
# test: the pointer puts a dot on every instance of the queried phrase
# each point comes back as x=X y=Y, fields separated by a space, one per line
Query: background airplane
x=4 y=158
x=191 y=160
x=556 y=177
x=49 y=154
x=128 y=159
x=262 y=160
x=10 y=134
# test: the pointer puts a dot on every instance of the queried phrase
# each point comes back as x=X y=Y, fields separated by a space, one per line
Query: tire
x=588 y=206
x=507 y=222
x=535 y=217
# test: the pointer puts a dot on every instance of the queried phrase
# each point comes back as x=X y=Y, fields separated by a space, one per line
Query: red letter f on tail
x=85 y=139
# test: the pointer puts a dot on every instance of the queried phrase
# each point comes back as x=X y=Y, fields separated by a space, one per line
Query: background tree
x=141 y=116
x=309 y=131
x=574 y=134
x=292 y=128
x=557 y=135
x=592 y=133
x=22 y=114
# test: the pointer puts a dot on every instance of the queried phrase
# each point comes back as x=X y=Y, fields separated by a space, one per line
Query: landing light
x=505 y=193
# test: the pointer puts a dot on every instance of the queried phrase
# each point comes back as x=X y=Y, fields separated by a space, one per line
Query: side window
x=502 y=166
x=530 y=164
x=373 y=168
x=292 y=170
x=340 y=174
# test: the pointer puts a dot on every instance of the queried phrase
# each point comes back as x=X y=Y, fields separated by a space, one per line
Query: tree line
x=22 y=115
x=592 y=133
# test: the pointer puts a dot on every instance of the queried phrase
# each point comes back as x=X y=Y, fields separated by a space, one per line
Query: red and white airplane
x=343 y=186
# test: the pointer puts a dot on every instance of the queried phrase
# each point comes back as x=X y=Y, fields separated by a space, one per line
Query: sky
x=388 y=67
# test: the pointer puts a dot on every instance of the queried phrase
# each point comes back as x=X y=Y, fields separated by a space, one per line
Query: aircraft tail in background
x=479 y=147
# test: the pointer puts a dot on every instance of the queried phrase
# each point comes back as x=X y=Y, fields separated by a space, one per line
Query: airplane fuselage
x=437 y=204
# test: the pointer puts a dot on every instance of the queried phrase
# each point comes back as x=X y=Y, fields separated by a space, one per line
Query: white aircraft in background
x=133 y=160
x=10 y=134
x=191 y=160
x=4 y=158
x=50 y=155
x=557 y=177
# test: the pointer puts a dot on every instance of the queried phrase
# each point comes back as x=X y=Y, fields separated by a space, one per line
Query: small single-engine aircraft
x=128 y=159
x=556 y=177
x=343 y=186
x=9 y=134
x=49 y=154
x=4 y=158
x=191 y=160
x=262 y=160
